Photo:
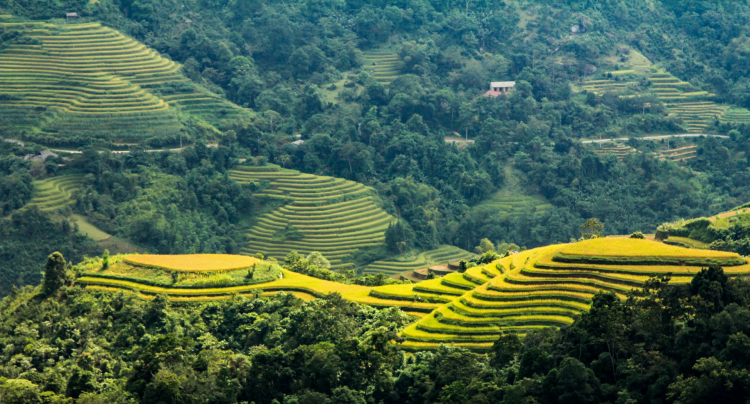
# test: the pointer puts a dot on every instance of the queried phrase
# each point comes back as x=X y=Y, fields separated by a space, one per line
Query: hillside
x=67 y=84
x=445 y=254
x=550 y=286
x=330 y=215
x=637 y=76
x=532 y=290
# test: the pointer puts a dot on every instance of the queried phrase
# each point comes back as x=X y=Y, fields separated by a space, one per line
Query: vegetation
x=192 y=263
x=330 y=215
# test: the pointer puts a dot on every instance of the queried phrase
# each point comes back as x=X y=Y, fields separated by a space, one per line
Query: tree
x=484 y=246
x=54 y=273
x=592 y=228
x=398 y=237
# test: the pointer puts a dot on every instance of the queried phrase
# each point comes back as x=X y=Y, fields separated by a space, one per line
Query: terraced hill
x=228 y=276
x=331 y=215
x=679 y=154
x=736 y=115
x=618 y=150
x=441 y=255
x=56 y=192
x=544 y=287
x=384 y=65
x=549 y=286
x=61 y=81
x=513 y=200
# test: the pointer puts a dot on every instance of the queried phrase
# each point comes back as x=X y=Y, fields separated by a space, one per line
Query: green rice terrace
x=513 y=200
x=331 y=215
x=384 y=65
x=58 y=81
x=701 y=232
x=406 y=263
x=55 y=193
x=692 y=106
x=620 y=151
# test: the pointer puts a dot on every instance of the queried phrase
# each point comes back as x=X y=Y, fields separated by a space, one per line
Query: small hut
x=499 y=87
x=71 y=16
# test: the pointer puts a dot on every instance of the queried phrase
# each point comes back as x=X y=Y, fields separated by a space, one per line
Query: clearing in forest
x=384 y=65
x=512 y=200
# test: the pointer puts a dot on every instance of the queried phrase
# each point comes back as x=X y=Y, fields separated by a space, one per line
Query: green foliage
x=637 y=235
x=592 y=228
x=54 y=273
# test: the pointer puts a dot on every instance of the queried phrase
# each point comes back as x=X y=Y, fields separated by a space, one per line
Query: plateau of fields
x=383 y=65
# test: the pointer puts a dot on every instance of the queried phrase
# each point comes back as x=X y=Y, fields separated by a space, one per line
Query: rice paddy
x=88 y=80
x=384 y=65
x=192 y=263
x=538 y=290
x=513 y=200
x=331 y=215
x=693 y=107
x=530 y=290
x=444 y=254
x=55 y=193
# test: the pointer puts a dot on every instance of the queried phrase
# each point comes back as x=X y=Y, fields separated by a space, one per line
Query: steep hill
x=65 y=83
x=331 y=215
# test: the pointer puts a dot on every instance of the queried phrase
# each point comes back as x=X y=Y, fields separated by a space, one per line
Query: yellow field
x=192 y=263
x=633 y=247
x=516 y=294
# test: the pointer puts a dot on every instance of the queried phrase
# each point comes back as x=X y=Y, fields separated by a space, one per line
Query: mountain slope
x=65 y=83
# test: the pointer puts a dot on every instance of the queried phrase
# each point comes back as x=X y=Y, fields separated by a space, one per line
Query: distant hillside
x=66 y=84
x=331 y=215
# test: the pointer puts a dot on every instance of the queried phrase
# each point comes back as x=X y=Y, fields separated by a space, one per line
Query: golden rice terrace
x=543 y=287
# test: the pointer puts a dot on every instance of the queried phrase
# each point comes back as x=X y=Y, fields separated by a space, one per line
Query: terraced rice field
x=736 y=115
x=121 y=276
x=86 y=79
x=544 y=287
x=618 y=150
x=536 y=289
x=384 y=65
x=679 y=154
x=331 y=215
x=513 y=201
x=56 y=192
x=441 y=255
x=695 y=108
